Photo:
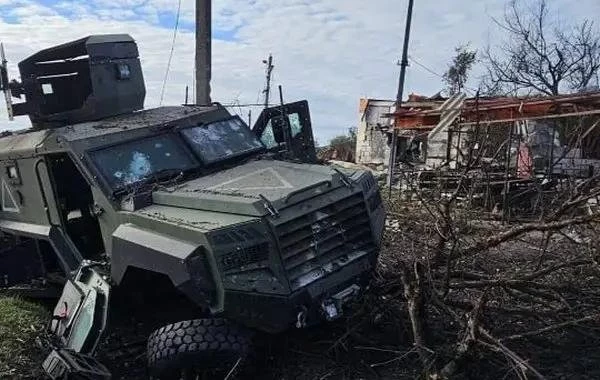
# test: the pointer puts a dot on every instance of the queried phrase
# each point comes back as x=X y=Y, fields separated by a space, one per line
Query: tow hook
x=301 y=318
x=333 y=307
x=331 y=310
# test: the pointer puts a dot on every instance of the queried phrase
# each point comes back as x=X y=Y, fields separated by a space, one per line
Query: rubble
x=378 y=174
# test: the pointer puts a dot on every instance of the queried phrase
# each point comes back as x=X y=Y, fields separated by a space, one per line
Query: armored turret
x=85 y=80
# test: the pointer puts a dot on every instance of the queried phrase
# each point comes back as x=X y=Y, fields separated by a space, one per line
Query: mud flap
x=78 y=322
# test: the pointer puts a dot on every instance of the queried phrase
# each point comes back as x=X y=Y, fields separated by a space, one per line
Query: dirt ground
x=373 y=341
x=364 y=345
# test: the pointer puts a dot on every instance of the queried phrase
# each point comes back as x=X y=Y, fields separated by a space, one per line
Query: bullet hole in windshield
x=139 y=167
x=131 y=162
x=222 y=140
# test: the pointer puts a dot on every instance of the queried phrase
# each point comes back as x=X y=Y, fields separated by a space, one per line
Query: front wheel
x=196 y=345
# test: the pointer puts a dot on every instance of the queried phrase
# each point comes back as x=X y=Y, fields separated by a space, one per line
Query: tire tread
x=203 y=343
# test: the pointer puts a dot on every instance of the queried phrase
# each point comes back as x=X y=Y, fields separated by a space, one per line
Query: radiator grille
x=324 y=240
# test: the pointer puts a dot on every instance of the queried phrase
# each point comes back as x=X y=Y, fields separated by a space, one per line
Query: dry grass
x=20 y=323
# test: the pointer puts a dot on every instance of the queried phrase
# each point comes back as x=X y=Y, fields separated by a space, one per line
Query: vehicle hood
x=253 y=188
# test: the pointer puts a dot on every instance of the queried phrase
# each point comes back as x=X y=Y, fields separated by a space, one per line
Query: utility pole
x=203 y=51
x=269 y=71
x=403 y=66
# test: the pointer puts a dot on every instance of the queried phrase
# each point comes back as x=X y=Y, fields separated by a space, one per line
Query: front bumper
x=326 y=245
x=274 y=314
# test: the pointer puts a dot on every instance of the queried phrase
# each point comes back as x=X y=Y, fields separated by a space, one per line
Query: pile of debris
x=344 y=153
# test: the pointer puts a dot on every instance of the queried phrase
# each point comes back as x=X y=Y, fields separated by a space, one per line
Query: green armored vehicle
x=100 y=196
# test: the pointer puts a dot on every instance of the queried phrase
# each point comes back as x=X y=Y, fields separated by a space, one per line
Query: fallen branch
x=469 y=339
x=516 y=284
x=412 y=282
x=498 y=346
x=552 y=328
x=554 y=268
x=513 y=233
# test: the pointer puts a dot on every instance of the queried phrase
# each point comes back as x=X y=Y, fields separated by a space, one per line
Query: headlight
x=240 y=246
x=244 y=256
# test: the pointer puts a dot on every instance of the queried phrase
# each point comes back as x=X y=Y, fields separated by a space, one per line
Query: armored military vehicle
x=243 y=222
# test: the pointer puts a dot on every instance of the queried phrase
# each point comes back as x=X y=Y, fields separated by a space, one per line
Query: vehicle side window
x=268 y=137
x=295 y=125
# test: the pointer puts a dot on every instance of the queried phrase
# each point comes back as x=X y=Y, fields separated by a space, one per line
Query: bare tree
x=494 y=288
x=479 y=296
x=538 y=56
x=458 y=71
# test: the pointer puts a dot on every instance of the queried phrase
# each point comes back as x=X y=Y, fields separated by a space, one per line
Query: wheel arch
x=186 y=264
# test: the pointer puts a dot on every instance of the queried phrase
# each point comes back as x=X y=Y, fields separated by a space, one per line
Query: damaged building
x=533 y=135
x=375 y=126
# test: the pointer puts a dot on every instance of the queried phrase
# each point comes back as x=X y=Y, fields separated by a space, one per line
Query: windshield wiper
x=163 y=175
x=160 y=177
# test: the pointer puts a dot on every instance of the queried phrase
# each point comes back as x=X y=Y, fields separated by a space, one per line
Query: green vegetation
x=348 y=140
x=458 y=72
x=20 y=323
x=341 y=148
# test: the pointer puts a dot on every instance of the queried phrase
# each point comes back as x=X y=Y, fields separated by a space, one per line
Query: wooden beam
x=524 y=118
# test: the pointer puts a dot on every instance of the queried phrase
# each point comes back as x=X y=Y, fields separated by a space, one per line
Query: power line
x=431 y=71
x=175 y=29
x=425 y=67
x=239 y=105
x=243 y=105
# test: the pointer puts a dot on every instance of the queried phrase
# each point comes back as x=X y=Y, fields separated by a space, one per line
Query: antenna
x=4 y=85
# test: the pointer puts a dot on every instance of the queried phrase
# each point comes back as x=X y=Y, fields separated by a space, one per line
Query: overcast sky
x=331 y=52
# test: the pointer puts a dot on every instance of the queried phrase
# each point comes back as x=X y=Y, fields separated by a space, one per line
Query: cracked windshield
x=131 y=162
x=222 y=140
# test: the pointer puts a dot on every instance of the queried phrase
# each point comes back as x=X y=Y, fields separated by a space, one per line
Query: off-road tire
x=201 y=344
